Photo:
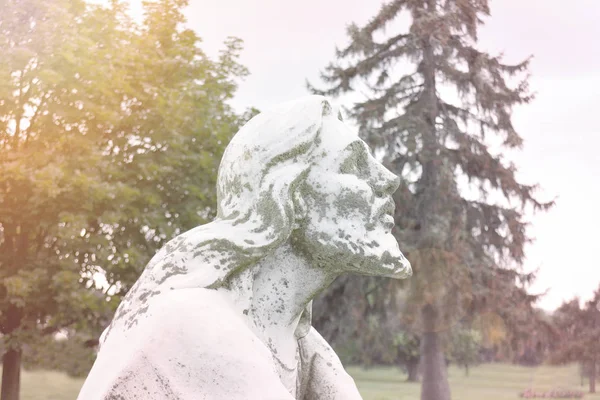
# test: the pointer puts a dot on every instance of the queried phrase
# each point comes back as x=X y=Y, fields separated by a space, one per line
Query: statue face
x=349 y=208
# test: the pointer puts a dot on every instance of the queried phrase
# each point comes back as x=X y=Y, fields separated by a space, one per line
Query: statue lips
x=386 y=214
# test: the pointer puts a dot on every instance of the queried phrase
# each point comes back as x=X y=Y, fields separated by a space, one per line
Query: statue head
x=298 y=173
x=294 y=174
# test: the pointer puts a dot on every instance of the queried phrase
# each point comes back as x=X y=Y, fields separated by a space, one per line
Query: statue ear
x=327 y=109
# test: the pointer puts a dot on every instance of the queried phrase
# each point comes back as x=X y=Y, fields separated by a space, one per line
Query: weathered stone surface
x=223 y=310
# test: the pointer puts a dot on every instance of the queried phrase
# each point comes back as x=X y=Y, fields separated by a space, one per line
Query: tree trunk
x=434 y=384
x=11 y=375
x=435 y=380
x=466 y=369
x=592 y=367
x=413 y=368
x=11 y=361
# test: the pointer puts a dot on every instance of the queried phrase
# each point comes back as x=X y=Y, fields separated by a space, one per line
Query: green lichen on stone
x=302 y=148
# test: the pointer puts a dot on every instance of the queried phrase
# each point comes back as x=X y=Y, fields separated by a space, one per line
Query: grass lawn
x=48 y=385
x=487 y=382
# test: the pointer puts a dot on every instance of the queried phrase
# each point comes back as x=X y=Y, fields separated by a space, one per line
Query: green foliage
x=512 y=328
x=465 y=346
x=407 y=348
x=407 y=345
x=51 y=169
x=351 y=316
x=579 y=329
x=169 y=148
x=70 y=355
x=110 y=137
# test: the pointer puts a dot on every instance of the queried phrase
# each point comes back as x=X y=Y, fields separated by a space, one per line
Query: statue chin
x=401 y=269
x=394 y=263
x=390 y=265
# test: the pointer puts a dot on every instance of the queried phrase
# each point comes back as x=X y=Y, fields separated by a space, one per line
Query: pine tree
x=433 y=126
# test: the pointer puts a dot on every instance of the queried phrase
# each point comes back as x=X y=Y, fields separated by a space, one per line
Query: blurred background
x=114 y=116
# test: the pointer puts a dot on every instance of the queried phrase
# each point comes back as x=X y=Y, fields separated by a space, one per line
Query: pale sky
x=287 y=42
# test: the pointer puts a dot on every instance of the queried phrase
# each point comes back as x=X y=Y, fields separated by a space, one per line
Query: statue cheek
x=354 y=204
x=367 y=197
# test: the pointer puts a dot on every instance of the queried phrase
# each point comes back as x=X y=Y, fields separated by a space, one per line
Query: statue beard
x=379 y=255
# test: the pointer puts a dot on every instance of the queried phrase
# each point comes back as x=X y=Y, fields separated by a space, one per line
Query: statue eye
x=355 y=164
x=362 y=161
x=349 y=166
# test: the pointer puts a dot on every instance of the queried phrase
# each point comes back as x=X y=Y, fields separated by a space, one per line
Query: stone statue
x=222 y=312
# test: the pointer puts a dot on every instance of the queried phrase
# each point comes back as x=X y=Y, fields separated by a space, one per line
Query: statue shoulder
x=190 y=343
